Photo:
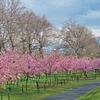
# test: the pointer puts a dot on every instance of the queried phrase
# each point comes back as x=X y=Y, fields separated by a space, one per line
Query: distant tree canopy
x=27 y=31
x=78 y=39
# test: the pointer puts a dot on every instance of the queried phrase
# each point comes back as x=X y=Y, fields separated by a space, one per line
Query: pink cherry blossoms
x=13 y=64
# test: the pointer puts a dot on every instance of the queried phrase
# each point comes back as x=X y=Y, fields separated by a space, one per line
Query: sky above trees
x=86 y=12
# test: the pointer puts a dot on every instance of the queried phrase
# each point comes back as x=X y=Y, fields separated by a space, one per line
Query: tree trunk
x=26 y=83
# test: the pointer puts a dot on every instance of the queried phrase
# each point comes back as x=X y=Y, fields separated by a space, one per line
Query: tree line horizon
x=21 y=28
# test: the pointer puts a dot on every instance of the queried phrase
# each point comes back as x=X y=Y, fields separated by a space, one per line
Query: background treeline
x=27 y=31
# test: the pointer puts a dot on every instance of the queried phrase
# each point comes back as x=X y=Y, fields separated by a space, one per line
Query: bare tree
x=97 y=48
x=13 y=14
x=42 y=33
x=20 y=27
x=27 y=28
x=76 y=37
x=35 y=32
x=3 y=35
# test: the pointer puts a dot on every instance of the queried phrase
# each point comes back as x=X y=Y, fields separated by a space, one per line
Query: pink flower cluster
x=13 y=64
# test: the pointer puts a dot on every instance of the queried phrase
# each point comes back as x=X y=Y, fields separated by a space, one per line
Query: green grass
x=92 y=95
x=34 y=94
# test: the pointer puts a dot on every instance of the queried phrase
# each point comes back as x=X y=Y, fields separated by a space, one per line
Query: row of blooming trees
x=14 y=64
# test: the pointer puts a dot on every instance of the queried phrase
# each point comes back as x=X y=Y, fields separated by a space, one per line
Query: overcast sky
x=86 y=12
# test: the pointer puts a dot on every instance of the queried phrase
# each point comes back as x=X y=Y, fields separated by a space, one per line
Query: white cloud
x=92 y=14
x=61 y=2
x=96 y=32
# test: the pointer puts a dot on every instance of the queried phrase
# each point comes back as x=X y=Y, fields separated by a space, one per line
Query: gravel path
x=74 y=93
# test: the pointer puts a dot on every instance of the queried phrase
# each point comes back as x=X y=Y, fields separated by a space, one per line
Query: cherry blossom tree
x=9 y=66
x=28 y=66
x=84 y=65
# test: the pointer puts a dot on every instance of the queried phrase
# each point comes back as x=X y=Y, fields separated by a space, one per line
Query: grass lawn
x=33 y=93
x=92 y=95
